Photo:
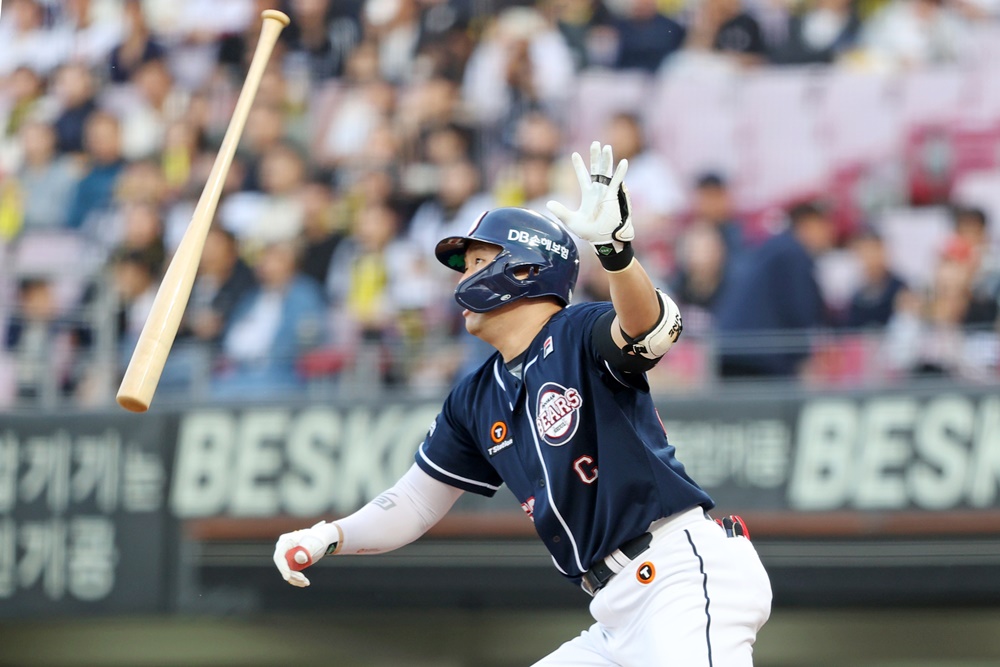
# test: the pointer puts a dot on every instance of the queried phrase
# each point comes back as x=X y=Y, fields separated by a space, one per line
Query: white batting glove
x=605 y=214
x=298 y=550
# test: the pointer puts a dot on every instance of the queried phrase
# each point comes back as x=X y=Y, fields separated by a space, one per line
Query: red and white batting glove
x=299 y=549
x=604 y=217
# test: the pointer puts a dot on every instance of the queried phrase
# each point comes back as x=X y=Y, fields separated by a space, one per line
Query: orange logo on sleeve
x=646 y=573
x=498 y=432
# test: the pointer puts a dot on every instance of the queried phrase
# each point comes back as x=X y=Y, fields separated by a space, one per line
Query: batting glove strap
x=612 y=259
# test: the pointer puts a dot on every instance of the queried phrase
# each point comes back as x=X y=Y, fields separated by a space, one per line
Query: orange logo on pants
x=646 y=573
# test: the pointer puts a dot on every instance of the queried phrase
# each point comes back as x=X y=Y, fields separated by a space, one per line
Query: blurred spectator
x=137 y=46
x=379 y=284
x=653 y=186
x=700 y=276
x=320 y=234
x=446 y=38
x=321 y=40
x=271 y=327
x=181 y=144
x=438 y=145
x=134 y=280
x=586 y=27
x=972 y=232
x=75 y=91
x=773 y=299
x=530 y=180
x=819 y=33
x=47 y=181
x=521 y=64
x=713 y=205
x=86 y=31
x=276 y=213
x=459 y=200
x=38 y=341
x=142 y=231
x=912 y=33
x=724 y=28
x=223 y=280
x=235 y=32
x=395 y=27
x=926 y=335
x=26 y=41
x=265 y=130
x=102 y=141
x=874 y=302
x=645 y=36
x=147 y=105
x=364 y=106
x=25 y=90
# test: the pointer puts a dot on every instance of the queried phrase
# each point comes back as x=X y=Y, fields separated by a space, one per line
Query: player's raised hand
x=604 y=217
x=298 y=550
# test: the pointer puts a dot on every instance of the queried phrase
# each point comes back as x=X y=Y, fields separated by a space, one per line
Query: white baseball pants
x=704 y=598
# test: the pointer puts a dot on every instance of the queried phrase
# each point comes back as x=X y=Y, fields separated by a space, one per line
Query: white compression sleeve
x=397 y=517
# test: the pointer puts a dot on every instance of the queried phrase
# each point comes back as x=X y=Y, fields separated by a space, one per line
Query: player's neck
x=512 y=328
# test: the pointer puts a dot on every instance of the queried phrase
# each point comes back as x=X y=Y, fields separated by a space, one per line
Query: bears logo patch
x=557 y=413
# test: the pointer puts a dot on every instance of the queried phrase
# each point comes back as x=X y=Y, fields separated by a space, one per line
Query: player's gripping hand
x=298 y=550
x=605 y=216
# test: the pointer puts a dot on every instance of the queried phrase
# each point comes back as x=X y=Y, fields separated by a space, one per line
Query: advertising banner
x=83 y=520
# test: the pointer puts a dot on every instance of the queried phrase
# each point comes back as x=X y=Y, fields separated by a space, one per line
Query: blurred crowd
x=383 y=125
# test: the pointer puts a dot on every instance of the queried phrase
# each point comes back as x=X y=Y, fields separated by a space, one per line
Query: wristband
x=613 y=260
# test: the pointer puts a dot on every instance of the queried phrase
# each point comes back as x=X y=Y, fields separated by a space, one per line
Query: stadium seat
x=695 y=124
x=781 y=157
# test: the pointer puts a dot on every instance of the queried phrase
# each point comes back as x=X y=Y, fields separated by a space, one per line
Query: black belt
x=598 y=576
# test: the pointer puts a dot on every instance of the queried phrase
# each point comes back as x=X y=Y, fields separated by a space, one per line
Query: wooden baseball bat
x=157 y=337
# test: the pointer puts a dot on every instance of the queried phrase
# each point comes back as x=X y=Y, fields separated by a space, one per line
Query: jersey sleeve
x=449 y=455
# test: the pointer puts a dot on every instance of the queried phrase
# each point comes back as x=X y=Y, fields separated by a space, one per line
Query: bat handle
x=298 y=559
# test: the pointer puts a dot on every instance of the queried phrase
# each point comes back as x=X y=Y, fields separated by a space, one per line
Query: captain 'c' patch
x=646 y=573
x=498 y=431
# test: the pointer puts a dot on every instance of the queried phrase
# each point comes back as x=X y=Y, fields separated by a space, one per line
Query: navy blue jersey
x=580 y=445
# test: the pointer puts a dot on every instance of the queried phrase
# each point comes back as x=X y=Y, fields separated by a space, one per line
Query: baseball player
x=562 y=415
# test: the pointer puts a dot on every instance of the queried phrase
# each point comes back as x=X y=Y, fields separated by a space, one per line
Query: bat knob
x=298 y=559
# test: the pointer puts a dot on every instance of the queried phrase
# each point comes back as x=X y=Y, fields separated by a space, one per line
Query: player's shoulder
x=471 y=383
x=579 y=314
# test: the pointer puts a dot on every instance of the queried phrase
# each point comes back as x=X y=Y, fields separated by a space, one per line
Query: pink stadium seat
x=695 y=124
x=857 y=121
x=781 y=157
x=65 y=257
x=932 y=96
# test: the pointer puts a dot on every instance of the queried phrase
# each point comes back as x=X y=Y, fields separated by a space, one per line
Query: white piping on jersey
x=613 y=373
x=548 y=488
x=496 y=374
x=558 y=567
x=453 y=475
x=528 y=365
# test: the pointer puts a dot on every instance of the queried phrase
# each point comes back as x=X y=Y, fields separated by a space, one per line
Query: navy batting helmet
x=529 y=242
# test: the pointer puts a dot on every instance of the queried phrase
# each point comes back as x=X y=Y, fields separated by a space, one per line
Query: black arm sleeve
x=616 y=357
